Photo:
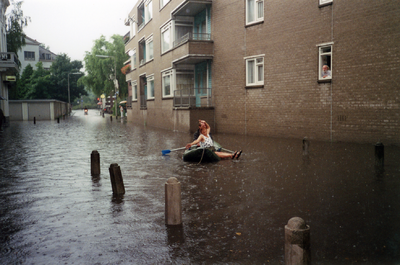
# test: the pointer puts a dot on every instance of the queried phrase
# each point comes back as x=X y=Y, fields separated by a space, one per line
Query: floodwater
x=234 y=212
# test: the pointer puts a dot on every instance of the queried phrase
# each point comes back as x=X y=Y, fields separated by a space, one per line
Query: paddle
x=226 y=150
x=164 y=152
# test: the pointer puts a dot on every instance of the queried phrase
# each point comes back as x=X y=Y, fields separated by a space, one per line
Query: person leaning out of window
x=326 y=73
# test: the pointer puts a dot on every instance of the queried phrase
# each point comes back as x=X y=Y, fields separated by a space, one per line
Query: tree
x=101 y=71
x=15 y=27
x=22 y=84
x=59 y=70
x=53 y=84
x=38 y=88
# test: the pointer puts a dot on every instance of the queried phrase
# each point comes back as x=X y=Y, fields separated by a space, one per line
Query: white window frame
x=171 y=74
x=133 y=59
x=148 y=11
x=258 y=61
x=149 y=55
x=325 y=2
x=149 y=79
x=256 y=11
x=143 y=60
x=165 y=28
x=134 y=90
x=163 y=3
x=321 y=53
x=132 y=25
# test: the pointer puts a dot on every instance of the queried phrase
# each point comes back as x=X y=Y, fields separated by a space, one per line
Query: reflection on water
x=234 y=211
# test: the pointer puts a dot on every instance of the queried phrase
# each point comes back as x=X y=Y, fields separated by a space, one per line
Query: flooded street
x=234 y=212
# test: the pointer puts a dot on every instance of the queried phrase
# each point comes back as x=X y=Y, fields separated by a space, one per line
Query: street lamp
x=69 y=98
x=115 y=78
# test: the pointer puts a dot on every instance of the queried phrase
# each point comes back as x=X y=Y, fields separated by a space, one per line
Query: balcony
x=127 y=37
x=9 y=63
x=193 y=98
x=192 y=51
x=143 y=102
x=192 y=36
x=191 y=8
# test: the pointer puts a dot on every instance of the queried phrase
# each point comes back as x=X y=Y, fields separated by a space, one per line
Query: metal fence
x=193 y=97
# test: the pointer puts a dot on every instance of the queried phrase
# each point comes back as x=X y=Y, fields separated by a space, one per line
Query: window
x=149 y=49
x=132 y=54
x=325 y=62
x=325 y=2
x=150 y=87
x=133 y=27
x=48 y=56
x=142 y=52
x=166 y=38
x=145 y=13
x=29 y=56
x=149 y=11
x=141 y=16
x=167 y=78
x=255 y=71
x=134 y=91
x=254 y=11
x=163 y=3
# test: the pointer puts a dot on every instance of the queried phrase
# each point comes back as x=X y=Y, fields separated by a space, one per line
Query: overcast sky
x=71 y=26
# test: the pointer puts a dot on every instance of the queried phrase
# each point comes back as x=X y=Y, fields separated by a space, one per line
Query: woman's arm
x=200 y=139
x=207 y=126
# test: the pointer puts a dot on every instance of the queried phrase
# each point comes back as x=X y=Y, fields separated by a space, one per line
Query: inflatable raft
x=200 y=154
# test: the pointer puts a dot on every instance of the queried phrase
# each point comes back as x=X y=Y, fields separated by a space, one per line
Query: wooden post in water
x=173 y=207
x=297 y=242
x=95 y=163
x=379 y=154
x=116 y=180
x=306 y=144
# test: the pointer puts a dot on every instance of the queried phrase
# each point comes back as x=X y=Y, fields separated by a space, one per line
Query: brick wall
x=360 y=104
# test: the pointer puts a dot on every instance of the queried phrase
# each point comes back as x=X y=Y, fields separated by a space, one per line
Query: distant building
x=323 y=69
x=8 y=63
x=32 y=53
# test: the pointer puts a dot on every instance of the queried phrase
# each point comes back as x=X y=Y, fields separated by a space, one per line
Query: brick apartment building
x=256 y=67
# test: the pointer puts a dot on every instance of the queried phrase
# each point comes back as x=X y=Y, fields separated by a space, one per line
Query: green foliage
x=23 y=81
x=60 y=69
x=89 y=101
x=15 y=26
x=53 y=84
x=101 y=71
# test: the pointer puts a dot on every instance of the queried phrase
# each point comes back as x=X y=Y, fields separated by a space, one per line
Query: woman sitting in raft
x=206 y=141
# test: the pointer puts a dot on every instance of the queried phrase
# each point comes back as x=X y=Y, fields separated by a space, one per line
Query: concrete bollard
x=95 y=163
x=173 y=207
x=297 y=242
x=306 y=144
x=379 y=154
x=116 y=180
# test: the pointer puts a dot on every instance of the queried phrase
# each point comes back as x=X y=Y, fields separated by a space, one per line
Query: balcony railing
x=127 y=37
x=143 y=102
x=192 y=36
x=9 y=60
x=193 y=97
